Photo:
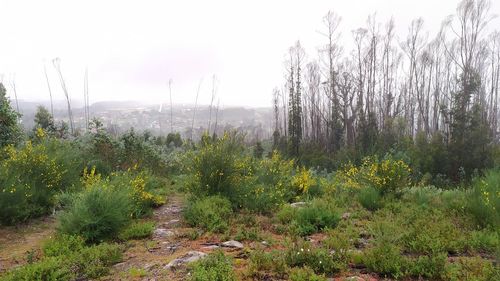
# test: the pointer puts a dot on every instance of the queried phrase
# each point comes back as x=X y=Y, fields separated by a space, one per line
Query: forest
x=384 y=164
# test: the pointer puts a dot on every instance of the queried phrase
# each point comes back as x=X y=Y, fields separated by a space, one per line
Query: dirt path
x=146 y=259
x=20 y=243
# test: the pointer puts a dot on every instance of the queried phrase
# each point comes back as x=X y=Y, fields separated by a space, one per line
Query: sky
x=133 y=48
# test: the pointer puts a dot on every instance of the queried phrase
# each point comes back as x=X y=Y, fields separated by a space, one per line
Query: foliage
x=66 y=257
x=484 y=200
x=305 y=274
x=10 y=132
x=320 y=260
x=97 y=214
x=210 y=213
x=389 y=176
x=29 y=178
x=312 y=218
x=370 y=198
x=44 y=120
x=218 y=168
x=386 y=259
x=472 y=268
x=215 y=267
x=137 y=230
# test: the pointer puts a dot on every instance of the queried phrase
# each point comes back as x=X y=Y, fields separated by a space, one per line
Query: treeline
x=433 y=100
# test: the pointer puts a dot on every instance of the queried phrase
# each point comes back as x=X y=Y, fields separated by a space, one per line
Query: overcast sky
x=132 y=48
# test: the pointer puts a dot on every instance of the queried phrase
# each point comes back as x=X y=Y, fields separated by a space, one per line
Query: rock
x=163 y=233
x=232 y=244
x=211 y=247
x=190 y=257
x=298 y=204
x=346 y=216
x=265 y=243
x=361 y=243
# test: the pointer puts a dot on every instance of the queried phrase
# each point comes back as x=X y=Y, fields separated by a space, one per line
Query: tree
x=44 y=120
x=10 y=132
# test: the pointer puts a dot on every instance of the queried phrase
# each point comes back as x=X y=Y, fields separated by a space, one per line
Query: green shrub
x=99 y=213
x=215 y=267
x=305 y=274
x=210 y=213
x=485 y=241
x=370 y=198
x=472 y=269
x=315 y=217
x=484 y=200
x=266 y=262
x=429 y=266
x=92 y=262
x=248 y=234
x=386 y=259
x=137 y=230
x=320 y=260
x=49 y=269
x=63 y=245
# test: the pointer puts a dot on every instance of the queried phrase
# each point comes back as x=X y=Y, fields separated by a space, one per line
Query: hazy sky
x=132 y=48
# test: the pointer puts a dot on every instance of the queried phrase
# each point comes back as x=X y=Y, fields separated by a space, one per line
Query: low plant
x=210 y=213
x=320 y=260
x=305 y=274
x=137 y=230
x=484 y=200
x=385 y=259
x=215 y=267
x=370 y=198
x=315 y=217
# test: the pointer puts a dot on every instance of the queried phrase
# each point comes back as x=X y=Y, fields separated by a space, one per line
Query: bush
x=315 y=217
x=97 y=214
x=218 y=168
x=215 y=267
x=137 y=230
x=472 y=268
x=318 y=259
x=49 y=269
x=429 y=266
x=305 y=274
x=210 y=213
x=66 y=257
x=386 y=259
x=370 y=198
x=389 y=176
x=484 y=201
x=29 y=178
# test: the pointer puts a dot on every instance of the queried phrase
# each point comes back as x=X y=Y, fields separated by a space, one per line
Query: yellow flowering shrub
x=387 y=175
x=28 y=180
x=303 y=180
x=484 y=199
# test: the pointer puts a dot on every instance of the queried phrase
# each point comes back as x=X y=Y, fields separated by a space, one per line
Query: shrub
x=210 y=213
x=386 y=259
x=312 y=218
x=99 y=213
x=49 y=269
x=484 y=201
x=318 y=259
x=472 y=268
x=485 y=241
x=137 y=230
x=215 y=267
x=63 y=245
x=429 y=266
x=305 y=274
x=29 y=178
x=267 y=262
x=389 y=176
x=67 y=258
x=93 y=262
x=370 y=198
x=218 y=168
